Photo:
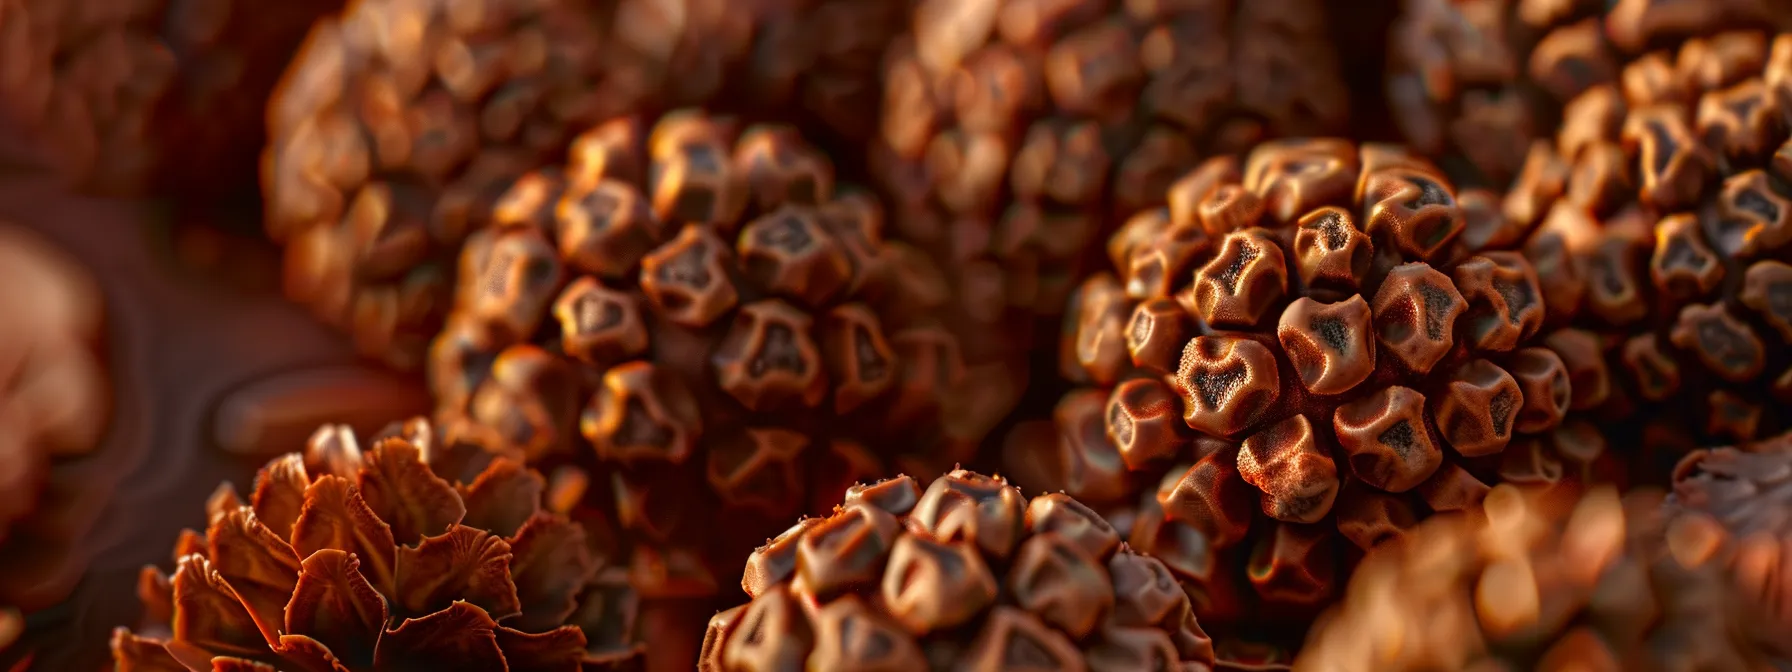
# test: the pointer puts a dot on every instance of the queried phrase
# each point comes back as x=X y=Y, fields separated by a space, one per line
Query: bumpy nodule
x=1314 y=347
x=343 y=559
x=966 y=575
x=697 y=315
x=1542 y=582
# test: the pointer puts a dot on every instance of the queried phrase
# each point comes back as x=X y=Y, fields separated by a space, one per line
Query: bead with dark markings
x=928 y=582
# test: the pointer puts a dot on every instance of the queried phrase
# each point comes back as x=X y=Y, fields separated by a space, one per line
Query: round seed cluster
x=695 y=314
x=1475 y=81
x=1532 y=582
x=1659 y=222
x=968 y=575
x=1322 y=341
x=1013 y=129
x=134 y=95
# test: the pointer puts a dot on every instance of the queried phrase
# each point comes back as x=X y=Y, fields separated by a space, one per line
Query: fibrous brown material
x=1747 y=491
x=1322 y=341
x=968 y=575
x=1541 y=583
x=1659 y=222
x=55 y=404
x=1476 y=81
x=698 y=317
x=370 y=561
x=402 y=121
x=1014 y=129
x=129 y=95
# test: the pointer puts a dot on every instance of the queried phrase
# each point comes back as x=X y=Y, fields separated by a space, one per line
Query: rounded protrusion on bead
x=1479 y=407
x=599 y=325
x=1370 y=518
x=687 y=278
x=1144 y=421
x=1558 y=251
x=1452 y=488
x=1683 y=266
x=1739 y=122
x=1186 y=194
x=852 y=636
x=511 y=292
x=845 y=551
x=642 y=414
x=1614 y=284
x=608 y=151
x=1726 y=346
x=1055 y=580
x=1213 y=497
x=1672 y=165
x=758 y=468
x=1599 y=180
x=526 y=404
x=931 y=585
x=1061 y=161
x=1544 y=383
x=1294 y=472
x=691 y=180
x=1385 y=438
x=1083 y=462
x=1767 y=289
x=773 y=564
x=1228 y=208
x=1295 y=177
x=1414 y=211
x=1061 y=515
x=1243 y=281
x=1330 y=251
x=930 y=366
x=1014 y=639
x=769 y=360
x=1156 y=333
x=1753 y=219
x=1541 y=183
x=1415 y=315
x=1098 y=318
x=1155 y=268
x=771 y=634
x=1653 y=370
x=860 y=361
x=986 y=513
x=1589 y=377
x=1227 y=383
x=1505 y=306
x=605 y=228
x=1095 y=70
x=1330 y=346
x=1295 y=566
x=778 y=168
x=791 y=254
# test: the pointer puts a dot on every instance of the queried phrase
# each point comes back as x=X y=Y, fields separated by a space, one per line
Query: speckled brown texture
x=968 y=575
x=1474 y=82
x=1016 y=132
x=699 y=317
x=1529 y=582
x=1302 y=355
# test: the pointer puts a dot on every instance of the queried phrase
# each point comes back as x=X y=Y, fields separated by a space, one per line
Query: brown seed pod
x=967 y=575
x=344 y=559
x=1545 y=582
x=55 y=405
x=1658 y=226
x=1345 y=359
x=1013 y=130
x=129 y=96
x=401 y=122
x=714 y=330
x=1476 y=82
x=1747 y=490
